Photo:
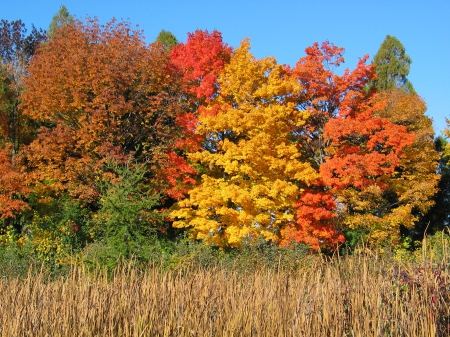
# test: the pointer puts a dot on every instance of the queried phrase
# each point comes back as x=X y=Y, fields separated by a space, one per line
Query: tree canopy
x=122 y=141
x=392 y=66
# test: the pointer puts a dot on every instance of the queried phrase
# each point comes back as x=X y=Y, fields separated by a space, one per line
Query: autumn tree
x=324 y=95
x=392 y=66
x=415 y=183
x=355 y=149
x=255 y=172
x=199 y=62
x=104 y=94
x=202 y=58
x=16 y=50
x=364 y=155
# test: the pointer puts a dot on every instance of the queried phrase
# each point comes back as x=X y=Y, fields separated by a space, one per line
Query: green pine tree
x=392 y=66
x=167 y=39
x=60 y=19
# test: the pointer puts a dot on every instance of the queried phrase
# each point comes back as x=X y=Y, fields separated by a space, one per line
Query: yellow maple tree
x=255 y=172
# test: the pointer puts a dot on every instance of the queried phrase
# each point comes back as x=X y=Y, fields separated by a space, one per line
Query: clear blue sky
x=283 y=29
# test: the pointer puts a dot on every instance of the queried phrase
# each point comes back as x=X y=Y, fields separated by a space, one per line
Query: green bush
x=125 y=225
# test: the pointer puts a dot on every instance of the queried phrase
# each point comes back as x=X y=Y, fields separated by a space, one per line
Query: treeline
x=110 y=144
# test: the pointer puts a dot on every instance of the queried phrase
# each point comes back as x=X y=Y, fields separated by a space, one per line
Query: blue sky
x=283 y=29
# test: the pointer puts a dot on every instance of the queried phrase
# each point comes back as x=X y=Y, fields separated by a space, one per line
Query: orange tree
x=103 y=95
x=412 y=188
x=359 y=149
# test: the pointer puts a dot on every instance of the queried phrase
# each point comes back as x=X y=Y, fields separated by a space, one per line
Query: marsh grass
x=359 y=295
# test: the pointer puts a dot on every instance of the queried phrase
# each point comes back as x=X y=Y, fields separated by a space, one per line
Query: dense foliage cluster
x=110 y=142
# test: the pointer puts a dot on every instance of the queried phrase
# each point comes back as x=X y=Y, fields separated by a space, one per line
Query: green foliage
x=19 y=257
x=392 y=66
x=355 y=238
x=126 y=222
x=16 y=260
x=167 y=39
x=60 y=20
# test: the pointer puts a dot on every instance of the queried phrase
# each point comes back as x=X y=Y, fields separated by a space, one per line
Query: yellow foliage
x=50 y=239
x=254 y=168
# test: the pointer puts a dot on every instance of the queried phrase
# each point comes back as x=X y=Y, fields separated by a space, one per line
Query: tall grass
x=359 y=295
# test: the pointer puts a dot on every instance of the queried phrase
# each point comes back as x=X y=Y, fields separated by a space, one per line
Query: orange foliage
x=363 y=148
x=12 y=184
x=110 y=96
x=325 y=96
x=350 y=144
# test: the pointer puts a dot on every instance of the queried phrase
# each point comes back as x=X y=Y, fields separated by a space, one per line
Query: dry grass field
x=360 y=295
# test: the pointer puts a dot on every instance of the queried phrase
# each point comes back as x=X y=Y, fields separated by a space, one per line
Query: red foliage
x=179 y=174
x=315 y=221
x=201 y=59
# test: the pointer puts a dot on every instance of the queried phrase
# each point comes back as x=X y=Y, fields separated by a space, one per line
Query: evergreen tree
x=167 y=39
x=60 y=19
x=392 y=66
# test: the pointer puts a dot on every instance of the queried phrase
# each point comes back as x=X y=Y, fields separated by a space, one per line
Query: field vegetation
x=260 y=291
